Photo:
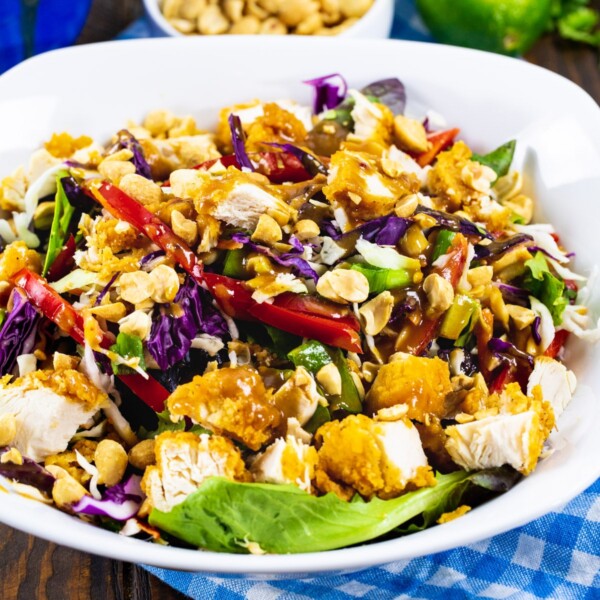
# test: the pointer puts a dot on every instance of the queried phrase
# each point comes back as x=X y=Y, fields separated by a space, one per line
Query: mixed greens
x=307 y=330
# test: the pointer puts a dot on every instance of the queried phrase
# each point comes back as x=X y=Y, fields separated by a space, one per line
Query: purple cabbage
x=390 y=92
x=542 y=250
x=512 y=294
x=311 y=163
x=119 y=502
x=151 y=256
x=509 y=352
x=327 y=93
x=171 y=336
x=535 y=330
x=76 y=196
x=106 y=288
x=18 y=332
x=290 y=259
x=238 y=139
x=385 y=231
x=126 y=140
x=454 y=223
x=29 y=473
x=497 y=248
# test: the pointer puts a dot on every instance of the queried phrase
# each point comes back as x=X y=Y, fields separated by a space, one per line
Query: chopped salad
x=308 y=329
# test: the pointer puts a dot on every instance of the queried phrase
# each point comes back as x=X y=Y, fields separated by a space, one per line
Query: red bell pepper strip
x=419 y=336
x=62 y=313
x=236 y=300
x=439 y=141
x=122 y=206
x=556 y=345
x=279 y=167
x=64 y=262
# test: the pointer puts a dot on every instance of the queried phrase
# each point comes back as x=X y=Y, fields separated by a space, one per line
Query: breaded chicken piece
x=357 y=183
x=372 y=120
x=286 y=461
x=232 y=401
x=49 y=407
x=235 y=197
x=420 y=383
x=557 y=382
x=183 y=461
x=511 y=431
x=263 y=123
x=374 y=458
x=17 y=256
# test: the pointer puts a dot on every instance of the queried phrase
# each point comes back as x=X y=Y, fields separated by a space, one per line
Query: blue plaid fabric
x=555 y=557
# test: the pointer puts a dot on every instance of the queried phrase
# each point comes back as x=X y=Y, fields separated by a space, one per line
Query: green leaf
x=496 y=480
x=546 y=287
x=579 y=26
x=224 y=516
x=499 y=159
x=165 y=424
x=63 y=211
x=312 y=355
x=128 y=346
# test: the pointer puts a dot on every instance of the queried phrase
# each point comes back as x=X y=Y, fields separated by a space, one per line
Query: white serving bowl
x=491 y=98
x=376 y=22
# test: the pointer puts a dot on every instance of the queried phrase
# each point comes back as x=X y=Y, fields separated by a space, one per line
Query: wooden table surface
x=31 y=568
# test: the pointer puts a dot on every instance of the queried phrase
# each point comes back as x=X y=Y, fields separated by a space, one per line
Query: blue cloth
x=28 y=27
x=555 y=557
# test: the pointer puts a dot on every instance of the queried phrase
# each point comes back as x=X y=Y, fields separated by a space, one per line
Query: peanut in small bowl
x=350 y=18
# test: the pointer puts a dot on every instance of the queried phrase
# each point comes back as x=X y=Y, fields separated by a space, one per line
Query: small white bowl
x=376 y=23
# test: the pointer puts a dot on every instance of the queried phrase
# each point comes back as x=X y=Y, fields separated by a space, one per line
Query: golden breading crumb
x=17 y=256
x=230 y=400
x=114 y=234
x=274 y=124
x=446 y=517
x=358 y=185
x=12 y=190
x=445 y=178
x=68 y=383
x=63 y=145
x=184 y=460
x=372 y=457
x=68 y=459
x=421 y=383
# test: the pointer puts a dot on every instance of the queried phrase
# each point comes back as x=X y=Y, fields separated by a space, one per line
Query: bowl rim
x=155 y=14
x=102 y=542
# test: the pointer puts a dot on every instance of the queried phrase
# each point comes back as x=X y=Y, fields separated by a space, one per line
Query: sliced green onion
x=384 y=279
x=458 y=316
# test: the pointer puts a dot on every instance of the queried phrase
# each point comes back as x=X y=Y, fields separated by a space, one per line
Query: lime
x=504 y=26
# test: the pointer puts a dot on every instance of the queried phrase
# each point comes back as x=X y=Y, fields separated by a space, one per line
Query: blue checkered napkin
x=555 y=557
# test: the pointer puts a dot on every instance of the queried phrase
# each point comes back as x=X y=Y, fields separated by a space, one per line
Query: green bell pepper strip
x=313 y=356
x=234 y=264
x=384 y=279
x=499 y=160
x=458 y=316
x=442 y=243
x=63 y=211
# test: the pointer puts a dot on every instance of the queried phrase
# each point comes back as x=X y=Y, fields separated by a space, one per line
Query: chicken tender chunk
x=49 y=407
x=557 y=382
x=286 y=461
x=371 y=457
x=515 y=435
x=357 y=183
x=233 y=401
x=183 y=461
x=239 y=199
x=420 y=383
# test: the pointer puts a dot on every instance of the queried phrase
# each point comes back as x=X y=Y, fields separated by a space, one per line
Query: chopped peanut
x=306 y=229
x=165 y=284
x=267 y=230
x=377 y=312
x=330 y=378
x=440 y=293
x=409 y=134
x=111 y=461
x=343 y=286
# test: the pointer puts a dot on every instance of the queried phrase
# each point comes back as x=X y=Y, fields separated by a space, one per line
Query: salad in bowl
x=310 y=328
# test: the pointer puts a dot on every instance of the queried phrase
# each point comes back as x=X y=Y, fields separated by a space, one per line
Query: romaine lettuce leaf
x=224 y=516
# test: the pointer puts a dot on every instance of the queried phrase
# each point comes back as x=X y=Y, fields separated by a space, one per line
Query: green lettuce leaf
x=546 y=287
x=499 y=159
x=128 y=346
x=224 y=516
